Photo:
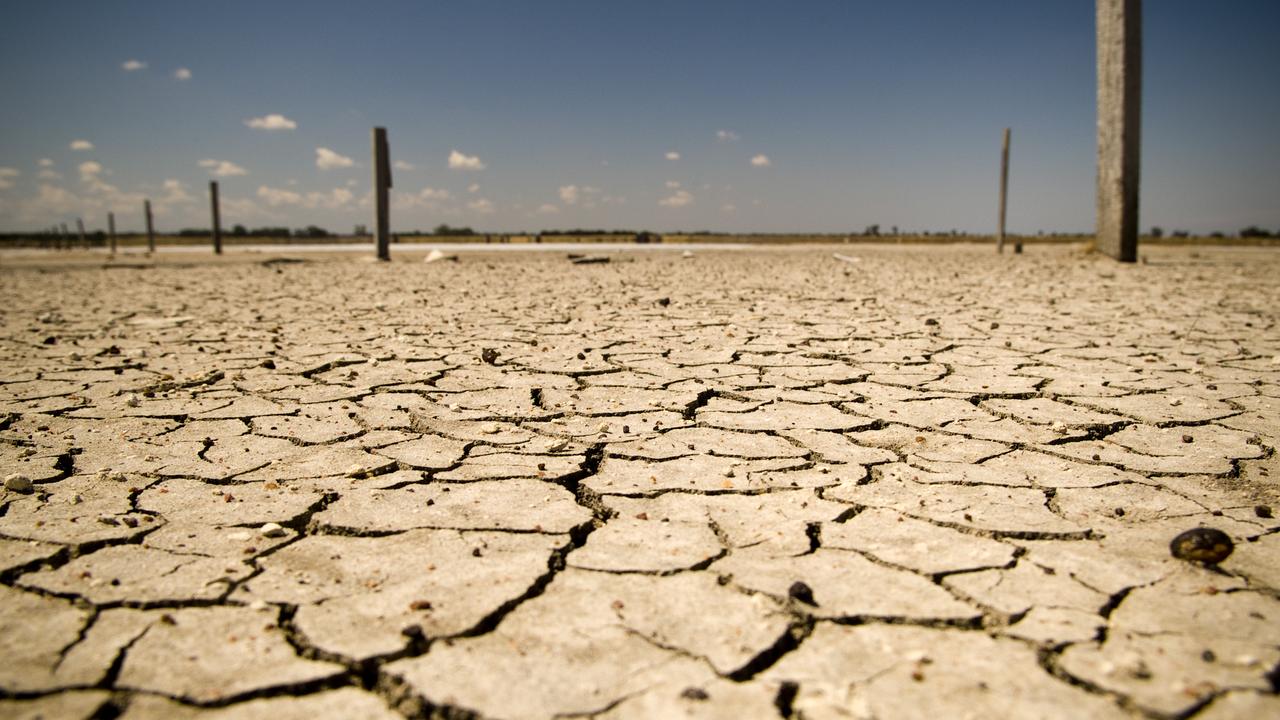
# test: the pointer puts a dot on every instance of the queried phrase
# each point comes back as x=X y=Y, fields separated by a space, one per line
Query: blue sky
x=736 y=116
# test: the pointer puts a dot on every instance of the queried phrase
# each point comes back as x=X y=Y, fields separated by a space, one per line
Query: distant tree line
x=310 y=231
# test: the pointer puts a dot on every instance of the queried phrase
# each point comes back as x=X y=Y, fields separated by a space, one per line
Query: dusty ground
x=928 y=483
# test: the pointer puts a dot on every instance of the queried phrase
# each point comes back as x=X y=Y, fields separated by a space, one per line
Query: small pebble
x=1204 y=545
x=1188 y=439
x=693 y=693
x=489 y=356
x=18 y=482
x=801 y=592
x=272 y=530
x=1263 y=511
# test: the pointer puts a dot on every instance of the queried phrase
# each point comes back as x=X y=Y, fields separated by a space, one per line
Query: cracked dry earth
x=931 y=483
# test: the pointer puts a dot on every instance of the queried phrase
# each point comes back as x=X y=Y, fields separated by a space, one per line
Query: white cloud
x=473 y=188
x=49 y=174
x=274 y=121
x=327 y=159
x=458 y=161
x=760 y=161
x=276 y=196
x=81 y=145
x=182 y=74
x=673 y=184
x=7 y=174
x=482 y=206
x=573 y=194
x=673 y=155
x=332 y=200
x=680 y=199
x=133 y=65
x=46 y=162
x=727 y=136
x=174 y=193
x=728 y=208
x=434 y=195
x=548 y=209
x=89 y=171
x=402 y=165
x=222 y=168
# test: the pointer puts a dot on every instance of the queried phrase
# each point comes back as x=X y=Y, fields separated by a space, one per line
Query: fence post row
x=381 y=184
x=151 y=231
x=1004 y=191
x=217 y=221
x=1119 y=30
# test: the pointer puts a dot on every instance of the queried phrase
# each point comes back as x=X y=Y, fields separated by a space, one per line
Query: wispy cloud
x=727 y=136
x=482 y=206
x=673 y=184
x=459 y=161
x=327 y=159
x=547 y=209
x=7 y=174
x=222 y=168
x=182 y=74
x=81 y=145
x=761 y=161
x=569 y=194
x=133 y=65
x=679 y=199
x=274 y=121
x=673 y=155
x=402 y=165
x=46 y=162
x=473 y=188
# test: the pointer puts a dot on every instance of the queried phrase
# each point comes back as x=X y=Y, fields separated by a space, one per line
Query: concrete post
x=217 y=221
x=111 y=230
x=151 y=230
x=84 y=241
x=381 y=184
x=1004 y=191
x=1119 y=30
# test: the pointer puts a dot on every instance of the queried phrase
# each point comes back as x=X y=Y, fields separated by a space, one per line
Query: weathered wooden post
x=84 y=242
x=65 y=237
x=1004 y=191
x=151 y=230
x=381 y=184
x=111 y=230
x=1119 y=30
x=217 y=221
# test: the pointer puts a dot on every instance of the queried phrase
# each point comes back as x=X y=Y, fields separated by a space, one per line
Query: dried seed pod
x=1205 y=545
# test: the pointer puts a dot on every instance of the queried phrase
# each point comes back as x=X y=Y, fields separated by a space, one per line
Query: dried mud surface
x=927 y=482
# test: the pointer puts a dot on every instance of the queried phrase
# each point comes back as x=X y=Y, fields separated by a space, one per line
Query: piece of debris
x=846 y=258
x=588 y=259
x=1204 y=545
x=436 y=256
x=18 y=482
x=1263 y=511
x=686 y=254
x=664 y=302
x=694 y=693
x=489 y=355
